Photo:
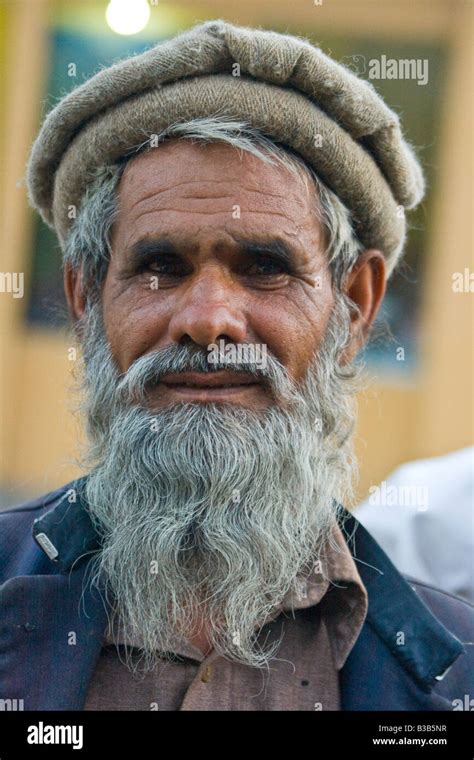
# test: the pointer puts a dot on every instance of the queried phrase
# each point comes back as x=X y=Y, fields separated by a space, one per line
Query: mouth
x=206 y=386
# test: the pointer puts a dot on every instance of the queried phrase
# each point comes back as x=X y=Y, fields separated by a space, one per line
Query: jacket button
x=206 y=674
x=29 y=627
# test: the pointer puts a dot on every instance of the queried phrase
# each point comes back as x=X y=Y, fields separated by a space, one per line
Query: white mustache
x=148 y=370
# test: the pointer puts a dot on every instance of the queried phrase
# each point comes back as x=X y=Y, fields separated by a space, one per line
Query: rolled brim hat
x=281 y=85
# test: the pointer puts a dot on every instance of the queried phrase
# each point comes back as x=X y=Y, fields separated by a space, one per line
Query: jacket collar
x=65 y=532
x=415 y=637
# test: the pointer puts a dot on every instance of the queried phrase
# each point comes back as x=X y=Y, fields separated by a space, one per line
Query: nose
x=208 y=311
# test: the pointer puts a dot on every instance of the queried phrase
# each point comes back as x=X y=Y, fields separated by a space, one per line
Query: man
x=230 y=205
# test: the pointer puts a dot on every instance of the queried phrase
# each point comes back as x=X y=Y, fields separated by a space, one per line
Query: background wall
x=415 y=408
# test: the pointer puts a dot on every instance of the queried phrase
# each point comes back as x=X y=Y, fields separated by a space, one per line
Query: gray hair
x=88 y=244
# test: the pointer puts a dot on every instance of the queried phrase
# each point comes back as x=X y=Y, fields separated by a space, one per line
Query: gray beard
x=212 y=510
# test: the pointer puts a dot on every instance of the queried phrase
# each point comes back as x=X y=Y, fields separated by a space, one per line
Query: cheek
x=293 y=334
x=135 y=323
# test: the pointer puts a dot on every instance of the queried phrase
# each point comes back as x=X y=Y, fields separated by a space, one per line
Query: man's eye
x=162 y=266
x=267 y=268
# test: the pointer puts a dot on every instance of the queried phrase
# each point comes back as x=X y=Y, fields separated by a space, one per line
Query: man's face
x=227 y=501
x=211 y=245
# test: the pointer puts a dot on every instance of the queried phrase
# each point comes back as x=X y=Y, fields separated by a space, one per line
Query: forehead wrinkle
x=212 y=212
x=270 y=193
x=208 y=196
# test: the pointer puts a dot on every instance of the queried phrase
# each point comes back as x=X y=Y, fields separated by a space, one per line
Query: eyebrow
x=151 y=246
x=157 y=246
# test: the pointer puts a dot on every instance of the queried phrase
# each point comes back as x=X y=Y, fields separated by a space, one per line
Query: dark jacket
x=409 y=656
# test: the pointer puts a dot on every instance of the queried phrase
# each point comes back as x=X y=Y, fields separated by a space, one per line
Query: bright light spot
x=127 y=16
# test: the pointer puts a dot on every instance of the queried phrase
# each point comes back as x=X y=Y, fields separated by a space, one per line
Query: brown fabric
x=318 y=628
x=286 y=87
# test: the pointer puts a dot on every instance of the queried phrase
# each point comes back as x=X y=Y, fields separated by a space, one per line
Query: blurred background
x=418 y=401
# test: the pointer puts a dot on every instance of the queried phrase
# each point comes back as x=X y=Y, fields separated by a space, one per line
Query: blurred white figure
x=423 y=517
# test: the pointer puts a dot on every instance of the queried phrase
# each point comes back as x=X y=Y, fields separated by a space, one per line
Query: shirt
x=318 y=625
x=422 y=516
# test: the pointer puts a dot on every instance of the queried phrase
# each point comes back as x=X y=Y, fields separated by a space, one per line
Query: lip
x=207 y=386
x=209 y=379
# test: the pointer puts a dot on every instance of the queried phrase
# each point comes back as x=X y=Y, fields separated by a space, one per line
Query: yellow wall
x=431 y=415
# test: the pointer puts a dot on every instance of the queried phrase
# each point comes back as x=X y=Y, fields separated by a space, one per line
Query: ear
x=74 y=292
x=365 y=286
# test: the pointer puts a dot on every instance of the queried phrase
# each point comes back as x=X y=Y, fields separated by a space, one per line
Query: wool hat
x=280 y=84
